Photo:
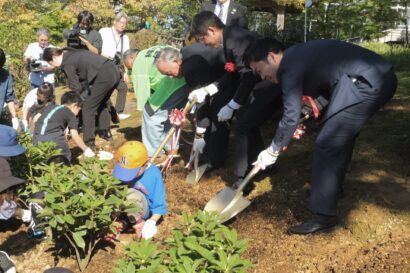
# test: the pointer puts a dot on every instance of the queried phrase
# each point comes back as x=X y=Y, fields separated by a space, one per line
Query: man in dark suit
x=208 y=28
x=230 y=12
x=357 y=83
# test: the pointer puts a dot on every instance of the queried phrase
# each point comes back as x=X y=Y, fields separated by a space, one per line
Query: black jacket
x=236 y=13
x=81 y=68
x=201 y=65
x=235 y=41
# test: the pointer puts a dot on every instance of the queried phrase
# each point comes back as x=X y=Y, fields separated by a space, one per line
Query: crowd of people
x=230 y=73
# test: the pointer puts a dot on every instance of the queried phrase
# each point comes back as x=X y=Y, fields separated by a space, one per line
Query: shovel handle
x=187 y=108
x=247 y=179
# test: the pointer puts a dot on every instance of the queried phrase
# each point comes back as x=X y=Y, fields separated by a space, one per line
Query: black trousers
x=248 y=139
x=95 y=105
x=217 y=133
x=122 y=90
x=334 y=144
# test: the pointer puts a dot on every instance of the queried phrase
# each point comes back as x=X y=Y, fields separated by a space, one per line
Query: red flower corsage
x=230 y=67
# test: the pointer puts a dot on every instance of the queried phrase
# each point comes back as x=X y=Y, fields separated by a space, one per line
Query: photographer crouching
x=82 y=35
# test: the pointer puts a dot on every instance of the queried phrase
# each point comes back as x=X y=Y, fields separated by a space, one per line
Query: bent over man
x=357 y=82
x=156 y=95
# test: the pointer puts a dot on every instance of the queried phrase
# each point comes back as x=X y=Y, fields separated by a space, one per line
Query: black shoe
x=106 y=134
x=317 y=223
x=6 y=264
x=114 y=115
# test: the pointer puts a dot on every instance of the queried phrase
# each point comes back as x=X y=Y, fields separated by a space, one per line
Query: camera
x=73 y=39
x=34 y=66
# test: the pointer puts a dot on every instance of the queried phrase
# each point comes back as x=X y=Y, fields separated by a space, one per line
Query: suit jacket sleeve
x=292 y=91
x=70 y=71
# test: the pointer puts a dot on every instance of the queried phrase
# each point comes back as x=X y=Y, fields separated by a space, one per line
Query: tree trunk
x=406 y=22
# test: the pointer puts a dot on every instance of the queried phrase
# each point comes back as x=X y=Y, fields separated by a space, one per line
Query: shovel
x=195 y=175
x=228 y=202
x=187 y=108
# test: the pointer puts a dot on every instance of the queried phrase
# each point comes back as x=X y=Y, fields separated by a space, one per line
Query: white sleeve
x=29 y=51
x=30 y=99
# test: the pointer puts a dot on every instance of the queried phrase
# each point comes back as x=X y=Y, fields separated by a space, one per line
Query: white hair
x=120 y=15
x=43 y=31
x=168 y=55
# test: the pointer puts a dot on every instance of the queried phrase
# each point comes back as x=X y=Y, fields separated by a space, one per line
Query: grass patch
x=397 y=55
x=361 y=231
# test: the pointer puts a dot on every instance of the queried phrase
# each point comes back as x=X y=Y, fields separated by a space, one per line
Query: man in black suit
x=357 y=83
x=230 y=12
x=208 y=28
x=94 y=78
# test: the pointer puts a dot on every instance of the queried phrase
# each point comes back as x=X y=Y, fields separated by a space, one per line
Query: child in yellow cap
x=145 y=183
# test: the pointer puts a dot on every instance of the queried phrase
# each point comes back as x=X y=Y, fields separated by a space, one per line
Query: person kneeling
x=146 y=187
x=54 y=121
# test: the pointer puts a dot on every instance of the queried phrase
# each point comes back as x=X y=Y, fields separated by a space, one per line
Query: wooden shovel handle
x=187 y=108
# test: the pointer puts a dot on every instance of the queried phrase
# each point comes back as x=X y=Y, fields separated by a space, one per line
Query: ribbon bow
x=177 y=117
x=315 y=109
x=230 y=67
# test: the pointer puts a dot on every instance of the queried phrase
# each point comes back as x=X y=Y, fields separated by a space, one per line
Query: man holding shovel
x=255 y=101
x=199 y=66
x=156 y=95
x=357 y=83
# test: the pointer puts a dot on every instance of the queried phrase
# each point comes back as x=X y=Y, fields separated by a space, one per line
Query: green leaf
x=69 y=219
x=60 y=219
x=130 y=268
x=78 y=239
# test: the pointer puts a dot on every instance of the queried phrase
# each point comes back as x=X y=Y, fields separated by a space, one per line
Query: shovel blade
x=226 y=204
x=238 y=205
x=195 y=175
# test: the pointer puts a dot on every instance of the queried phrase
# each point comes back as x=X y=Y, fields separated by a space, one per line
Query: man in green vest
x=156 y=95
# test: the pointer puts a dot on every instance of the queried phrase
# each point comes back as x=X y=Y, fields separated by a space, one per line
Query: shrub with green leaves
x=79 y=204
x=199 y=244
x=25 y=165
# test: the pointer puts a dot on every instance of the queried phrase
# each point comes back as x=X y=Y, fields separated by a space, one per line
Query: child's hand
x=149 y=229
x=138 y=229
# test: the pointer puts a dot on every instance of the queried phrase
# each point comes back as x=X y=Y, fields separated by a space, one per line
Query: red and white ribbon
x=177 y=117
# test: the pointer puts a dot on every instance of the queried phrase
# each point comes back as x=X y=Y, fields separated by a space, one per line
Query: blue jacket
x=6 y=88
x=151 y=184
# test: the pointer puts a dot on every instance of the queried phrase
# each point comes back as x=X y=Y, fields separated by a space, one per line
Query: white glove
x=199 y=144
x=201 y=93
x=25 y=125
x=149 y=229
x=266 y=157
x=15 y=122
x=226 y=112
x=26 y=217
x=198 y=94
x=88 y=152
